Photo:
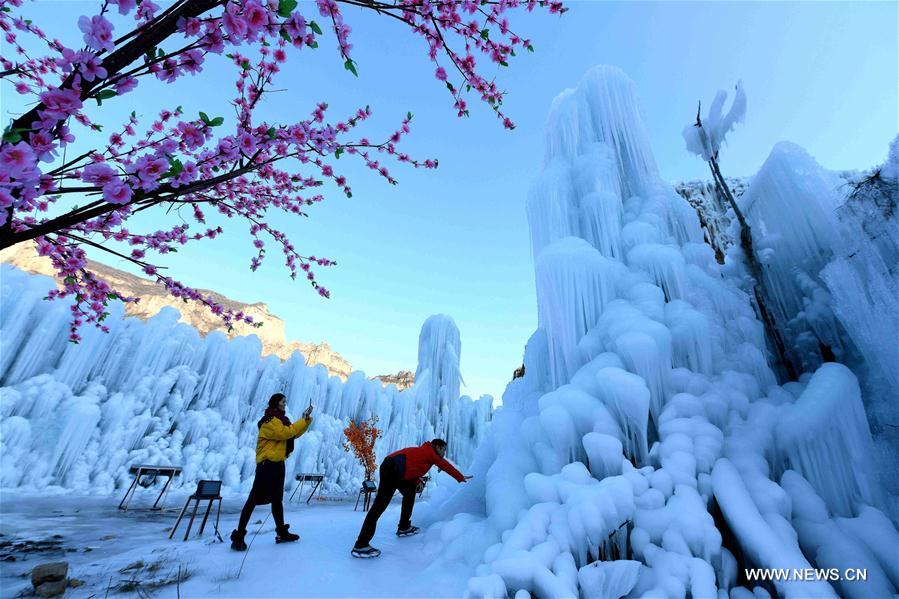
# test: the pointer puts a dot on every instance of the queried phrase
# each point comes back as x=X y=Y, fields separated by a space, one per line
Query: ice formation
x=76 y=416
x=706 y=141
x=649 y=451
x=830 y=245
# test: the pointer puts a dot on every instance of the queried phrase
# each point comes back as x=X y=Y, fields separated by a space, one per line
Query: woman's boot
x=283 y=535
x=237 y=542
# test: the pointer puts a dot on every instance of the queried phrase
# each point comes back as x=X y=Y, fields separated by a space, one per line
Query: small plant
x=361 y=439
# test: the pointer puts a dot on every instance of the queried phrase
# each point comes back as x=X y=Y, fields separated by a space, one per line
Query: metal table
x=312 y=477
x=139 y=470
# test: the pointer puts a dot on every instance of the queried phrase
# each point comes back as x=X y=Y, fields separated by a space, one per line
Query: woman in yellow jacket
x=275 y=442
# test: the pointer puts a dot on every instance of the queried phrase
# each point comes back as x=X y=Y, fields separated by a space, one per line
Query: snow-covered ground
x=108 y=548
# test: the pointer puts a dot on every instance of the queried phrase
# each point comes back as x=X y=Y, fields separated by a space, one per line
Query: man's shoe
x=407 y=532
x=283 y=535
x=365 y=552
x=237 y=542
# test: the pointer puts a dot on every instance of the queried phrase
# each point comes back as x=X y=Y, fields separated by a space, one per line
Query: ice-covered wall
x=791 y=206
x=155 y=391
x=642 y=454
x=829 y=243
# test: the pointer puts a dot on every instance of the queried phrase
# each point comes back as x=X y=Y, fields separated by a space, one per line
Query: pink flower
x=6 y=200
x=43 y=144
x=168 y=145
x=169 y=72
x=60 y=103
x=125 y=6
x=64 y=135
x=295 y=25
x=98 y=173
x=74 y=263
x=235 y=25
x=279 y=55
x=441 y=74
x=246 y=143
x=147 y=10
x=213 y=42
x=117 y=192
x=150 y=168
x=189 y=27
x=17 y=160
x=123 y=86
x=97 y=32
x=192 y=62
x=188 y=173
x=255 y=15
x=92 y=67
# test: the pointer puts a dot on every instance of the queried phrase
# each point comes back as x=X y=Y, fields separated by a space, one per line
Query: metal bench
x=206 y=490
x=153 y=472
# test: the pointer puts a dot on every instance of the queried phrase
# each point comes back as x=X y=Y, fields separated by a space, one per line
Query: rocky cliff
x=153 y=298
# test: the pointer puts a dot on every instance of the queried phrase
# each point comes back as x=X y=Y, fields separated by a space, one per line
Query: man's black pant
x=391 y=481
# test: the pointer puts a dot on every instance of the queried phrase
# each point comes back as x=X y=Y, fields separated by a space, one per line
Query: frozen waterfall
x=77 y=415
x=643 y=452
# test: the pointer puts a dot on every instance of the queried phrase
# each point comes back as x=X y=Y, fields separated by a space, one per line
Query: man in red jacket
x=402 y=470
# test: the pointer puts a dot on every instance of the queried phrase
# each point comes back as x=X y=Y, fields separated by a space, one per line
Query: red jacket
x=419 y=459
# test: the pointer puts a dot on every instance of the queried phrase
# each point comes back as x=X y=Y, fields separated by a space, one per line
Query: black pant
x=268 y=487
x=391 y=481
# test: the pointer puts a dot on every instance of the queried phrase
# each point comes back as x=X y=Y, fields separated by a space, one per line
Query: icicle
x=596 y=171
x=691 y=337
x=552 y=207
x=637 y=233
x=664 y=264
x=627 y=398
x=825 y=437
x=78 y=420
x=600 y=222
x=574 y=283
x=610 y=98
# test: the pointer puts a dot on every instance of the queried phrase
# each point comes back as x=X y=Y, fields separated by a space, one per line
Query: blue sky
x=455 y=240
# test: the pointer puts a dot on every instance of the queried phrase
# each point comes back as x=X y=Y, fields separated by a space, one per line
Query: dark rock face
x=49 y=573
x=714 y=214
x=51 y=589
x=402 y=379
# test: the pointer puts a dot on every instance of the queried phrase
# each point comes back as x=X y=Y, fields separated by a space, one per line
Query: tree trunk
x=755 y=271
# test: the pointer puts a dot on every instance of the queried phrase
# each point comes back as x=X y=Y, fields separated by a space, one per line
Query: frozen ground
x=130 y=552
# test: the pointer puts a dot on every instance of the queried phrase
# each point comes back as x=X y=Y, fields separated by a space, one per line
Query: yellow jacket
x=273 y=436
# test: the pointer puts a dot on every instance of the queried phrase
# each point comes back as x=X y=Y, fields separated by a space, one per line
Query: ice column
x=439 y=349
x=604 y=108
x=574 y=283
x=825 y=437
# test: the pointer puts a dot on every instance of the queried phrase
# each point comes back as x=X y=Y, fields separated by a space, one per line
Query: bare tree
x=752 y=262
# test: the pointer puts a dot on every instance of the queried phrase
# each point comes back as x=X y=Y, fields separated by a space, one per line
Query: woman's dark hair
x=275 y=399
x=438 y=443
